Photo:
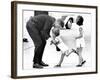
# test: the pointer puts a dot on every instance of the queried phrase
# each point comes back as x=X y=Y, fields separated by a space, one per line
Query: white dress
x=80 y=42
x=61 y=45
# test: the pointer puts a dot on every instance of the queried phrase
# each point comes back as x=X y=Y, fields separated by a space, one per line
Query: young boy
x=57 y=41
x=80 y=42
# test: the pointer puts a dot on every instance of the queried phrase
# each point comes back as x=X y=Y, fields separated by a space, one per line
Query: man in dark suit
x=39 y=28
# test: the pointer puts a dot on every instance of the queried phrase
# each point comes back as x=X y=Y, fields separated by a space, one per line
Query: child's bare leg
x=75 y=51
x=81 y=61
x=68 y=53
x=80 y=55
x=61 y=60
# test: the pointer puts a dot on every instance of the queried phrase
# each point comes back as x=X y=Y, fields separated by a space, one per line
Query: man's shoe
x=36 y=65
x=43 y=64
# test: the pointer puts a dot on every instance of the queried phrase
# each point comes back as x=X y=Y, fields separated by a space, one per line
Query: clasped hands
x=55 y=42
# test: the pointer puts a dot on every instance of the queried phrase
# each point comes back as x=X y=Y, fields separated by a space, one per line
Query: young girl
x=80 y=42
x=57 y=41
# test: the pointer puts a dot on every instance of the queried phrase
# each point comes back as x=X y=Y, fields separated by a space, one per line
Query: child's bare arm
x=80 y=33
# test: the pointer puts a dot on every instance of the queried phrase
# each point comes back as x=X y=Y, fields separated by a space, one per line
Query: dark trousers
x=39 y=42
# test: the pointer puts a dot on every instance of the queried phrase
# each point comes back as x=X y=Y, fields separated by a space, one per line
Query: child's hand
x=51 y=42
x=57 y=42
x=54 y=42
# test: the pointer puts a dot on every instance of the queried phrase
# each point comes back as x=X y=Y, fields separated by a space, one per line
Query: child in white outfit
x=80 y=42
x=57 y=40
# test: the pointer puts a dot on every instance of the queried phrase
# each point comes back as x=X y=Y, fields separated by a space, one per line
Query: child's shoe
x=80 y=65
x=57 y=65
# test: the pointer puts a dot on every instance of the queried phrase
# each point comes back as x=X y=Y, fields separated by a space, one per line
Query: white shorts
x=80 y=42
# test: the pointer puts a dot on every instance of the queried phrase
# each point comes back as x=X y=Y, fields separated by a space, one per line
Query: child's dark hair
x=66 y=25
x=56 y=31
x=71 y=19
x=80 y=20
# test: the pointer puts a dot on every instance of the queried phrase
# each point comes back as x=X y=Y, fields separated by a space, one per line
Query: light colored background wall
x=5 y=40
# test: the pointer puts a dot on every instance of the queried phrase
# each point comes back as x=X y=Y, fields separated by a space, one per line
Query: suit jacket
x=43 y=24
